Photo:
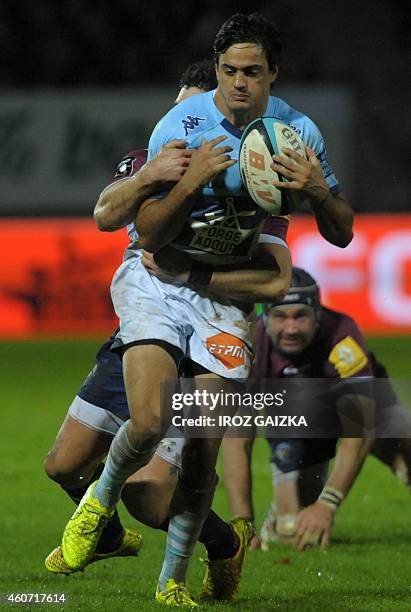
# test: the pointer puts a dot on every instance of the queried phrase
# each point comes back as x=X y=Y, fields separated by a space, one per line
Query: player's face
x=187 y=92
x=244 y=80
x=291 y=328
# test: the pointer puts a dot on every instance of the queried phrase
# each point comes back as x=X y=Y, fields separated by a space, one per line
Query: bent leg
x=76 y=453
x=74 y=461
x=145 y=368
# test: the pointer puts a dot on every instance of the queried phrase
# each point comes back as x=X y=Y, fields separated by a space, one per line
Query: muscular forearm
x=348 y=463
x=266 y=280
x=158 y=222
x=334 y=218
x=118 y=204
x=249 y=285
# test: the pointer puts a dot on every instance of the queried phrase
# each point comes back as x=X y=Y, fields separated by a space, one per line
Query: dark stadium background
x=362 y=46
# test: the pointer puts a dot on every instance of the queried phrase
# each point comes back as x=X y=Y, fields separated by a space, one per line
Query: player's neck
x=238 y=117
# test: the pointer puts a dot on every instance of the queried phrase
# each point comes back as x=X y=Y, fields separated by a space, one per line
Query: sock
x=122 y=461
x=183 y=531
x=218 y=537
x=113 y=531
x=188 y=508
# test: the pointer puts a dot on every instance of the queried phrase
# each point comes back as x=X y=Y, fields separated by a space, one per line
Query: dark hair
x=200 y=74
x=252 y=28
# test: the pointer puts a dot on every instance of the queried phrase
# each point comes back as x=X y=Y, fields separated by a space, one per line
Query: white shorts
x=99 y=419
x=214 y=333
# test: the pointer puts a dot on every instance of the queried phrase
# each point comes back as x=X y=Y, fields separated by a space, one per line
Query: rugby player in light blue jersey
x=100 y=406
x=202 y=313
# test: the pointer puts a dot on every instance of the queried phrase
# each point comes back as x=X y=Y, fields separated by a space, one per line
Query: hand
x=314 y=526
x=304 y=175
x=206 y=162
x=170 y=164
x=168 y=265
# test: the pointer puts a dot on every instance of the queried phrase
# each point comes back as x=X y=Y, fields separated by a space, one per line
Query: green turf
x=367 y=568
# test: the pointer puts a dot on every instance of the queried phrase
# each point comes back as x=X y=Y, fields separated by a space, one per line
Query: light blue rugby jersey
x=225 y=223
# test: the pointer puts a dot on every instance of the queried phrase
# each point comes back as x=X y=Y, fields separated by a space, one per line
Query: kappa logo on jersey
x=228 y=349
x=348 y=357
x=190 y=123
x=125 y=167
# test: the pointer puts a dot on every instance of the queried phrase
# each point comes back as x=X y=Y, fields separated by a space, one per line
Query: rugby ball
x=261 y=139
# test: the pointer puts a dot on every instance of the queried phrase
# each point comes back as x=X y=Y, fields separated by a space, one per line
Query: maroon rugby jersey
x=337 y=351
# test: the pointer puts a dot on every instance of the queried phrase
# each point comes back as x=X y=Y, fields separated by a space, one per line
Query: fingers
x=176 y=144
x=147 y=259
x=307 y=540
x=325 y=540
x=311 y=155
x=286 y=184
x=294 y=168
x=226 y=164
x=282 y=161
x=215 y=141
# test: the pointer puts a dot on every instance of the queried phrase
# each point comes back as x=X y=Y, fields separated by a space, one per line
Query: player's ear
x=274 y=74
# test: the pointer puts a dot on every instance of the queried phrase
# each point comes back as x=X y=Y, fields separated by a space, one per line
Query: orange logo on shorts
x=228 y=349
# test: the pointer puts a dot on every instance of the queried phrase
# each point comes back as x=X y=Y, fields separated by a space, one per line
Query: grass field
x=367 y=568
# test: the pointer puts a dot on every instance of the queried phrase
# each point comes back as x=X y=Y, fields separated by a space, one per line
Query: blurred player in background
x=303 y=339
x=182 y=317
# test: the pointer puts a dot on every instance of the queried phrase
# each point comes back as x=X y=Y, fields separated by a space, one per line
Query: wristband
x=331 y=497
x=200 y=275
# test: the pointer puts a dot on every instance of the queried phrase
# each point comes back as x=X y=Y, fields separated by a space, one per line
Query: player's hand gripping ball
x=263 y=138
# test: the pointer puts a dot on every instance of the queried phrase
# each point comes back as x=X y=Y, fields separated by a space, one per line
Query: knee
x=145 y=431
x=63 y=474
x=51 y=467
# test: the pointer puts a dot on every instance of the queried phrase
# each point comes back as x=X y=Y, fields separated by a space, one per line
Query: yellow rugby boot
x=129 y=547
x=175 y=595
x=222 y=577
x=83 y=531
